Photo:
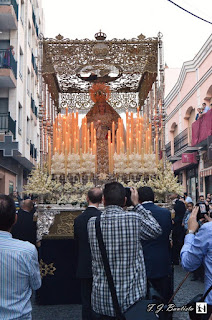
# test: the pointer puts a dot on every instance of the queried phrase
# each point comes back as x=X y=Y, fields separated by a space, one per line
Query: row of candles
x=138 y=138
x=67 y=138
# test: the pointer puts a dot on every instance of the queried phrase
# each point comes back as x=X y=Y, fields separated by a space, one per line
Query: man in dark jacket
x=84 y=267
x=157 y=252
x=25 y=228
x=178 y=230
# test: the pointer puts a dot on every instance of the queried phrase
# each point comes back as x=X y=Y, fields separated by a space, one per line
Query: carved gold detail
x=46 y=269
x=134 y=58
x=66 y=225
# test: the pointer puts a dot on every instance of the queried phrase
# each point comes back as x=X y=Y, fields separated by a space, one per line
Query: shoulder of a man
x=207 y=228
x=24 y=247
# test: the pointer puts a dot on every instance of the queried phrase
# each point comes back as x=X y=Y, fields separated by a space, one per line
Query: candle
x=66 y=161
x=109 y=149
x=49 y=154
x=92 y=135
x=156 y=148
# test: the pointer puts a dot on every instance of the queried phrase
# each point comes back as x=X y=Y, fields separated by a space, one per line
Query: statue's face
x=101 y=108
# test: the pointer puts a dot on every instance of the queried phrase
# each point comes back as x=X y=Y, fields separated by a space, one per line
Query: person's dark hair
x=145 y=194
x=190 y=203
x=204 y=104
x=7 y=212
x=185 y=194
x=114 y=194
x=95 y=195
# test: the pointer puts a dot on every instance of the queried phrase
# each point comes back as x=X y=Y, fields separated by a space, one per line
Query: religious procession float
x=102 y=118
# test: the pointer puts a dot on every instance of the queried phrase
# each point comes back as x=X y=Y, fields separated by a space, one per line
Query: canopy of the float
x=70 y=67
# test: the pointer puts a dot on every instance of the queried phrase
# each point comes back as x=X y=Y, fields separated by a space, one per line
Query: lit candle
x=92 y=135
x=66 y=161
x=109 y=150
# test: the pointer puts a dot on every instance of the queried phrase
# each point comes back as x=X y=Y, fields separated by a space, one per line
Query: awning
x=206 y=172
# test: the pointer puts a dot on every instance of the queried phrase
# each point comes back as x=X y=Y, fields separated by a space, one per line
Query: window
x=19 y=118
x=32 y=84
x=28 y=82
x=28 y=132
x=21 y=64
x=11 y=187
x=22 y=12
x=3 y=105
x=29 y=35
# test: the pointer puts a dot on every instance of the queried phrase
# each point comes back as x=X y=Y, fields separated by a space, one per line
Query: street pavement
x=73 y=312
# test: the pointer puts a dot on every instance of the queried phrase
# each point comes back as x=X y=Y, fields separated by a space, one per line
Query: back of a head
x=7 y=212
x=95 y=195
x=114 y=194
x=185 y=194
x=27 y=205
x=145 y=194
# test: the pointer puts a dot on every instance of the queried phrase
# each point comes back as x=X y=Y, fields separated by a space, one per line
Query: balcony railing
x=7 y=124
x=201 y=129
x=168 y=149
x=7 y=61
x=10 y=2
x=181 y=140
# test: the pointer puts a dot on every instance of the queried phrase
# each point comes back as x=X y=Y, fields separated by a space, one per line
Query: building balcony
x=8 y=15
x=7 y=124
x=168 y=149
x=181 y=141
x=8 y=69
x=202 y=129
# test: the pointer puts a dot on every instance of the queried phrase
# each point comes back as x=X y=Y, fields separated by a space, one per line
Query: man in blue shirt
x=19 y=268
x=197 y=249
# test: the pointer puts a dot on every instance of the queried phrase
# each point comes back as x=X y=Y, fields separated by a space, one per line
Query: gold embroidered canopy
x=128 y=66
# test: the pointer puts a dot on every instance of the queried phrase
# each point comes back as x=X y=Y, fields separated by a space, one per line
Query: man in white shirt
x=187 y=198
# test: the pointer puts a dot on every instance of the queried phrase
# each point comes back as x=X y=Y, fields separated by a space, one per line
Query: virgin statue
x=102 y=115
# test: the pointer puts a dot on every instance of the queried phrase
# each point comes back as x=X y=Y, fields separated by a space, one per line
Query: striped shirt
x=19 y=275
x=122 y=232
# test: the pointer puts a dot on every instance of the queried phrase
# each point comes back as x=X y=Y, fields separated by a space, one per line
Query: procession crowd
x=125 y=250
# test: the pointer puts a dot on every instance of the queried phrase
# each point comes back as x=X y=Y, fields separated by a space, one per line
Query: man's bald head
x=27 y=205
x=95 y=195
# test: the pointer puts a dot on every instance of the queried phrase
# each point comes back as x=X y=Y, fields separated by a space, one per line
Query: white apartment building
x=21 y=22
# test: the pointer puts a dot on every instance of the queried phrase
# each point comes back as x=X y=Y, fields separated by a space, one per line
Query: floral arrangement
x=163 y=182
x=43 y=185
x=160 y=179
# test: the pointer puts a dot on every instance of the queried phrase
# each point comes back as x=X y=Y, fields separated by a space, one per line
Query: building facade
x=188 y=141
x=21 y=22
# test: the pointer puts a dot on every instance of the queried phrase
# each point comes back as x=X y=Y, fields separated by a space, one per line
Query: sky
x=183 y=34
